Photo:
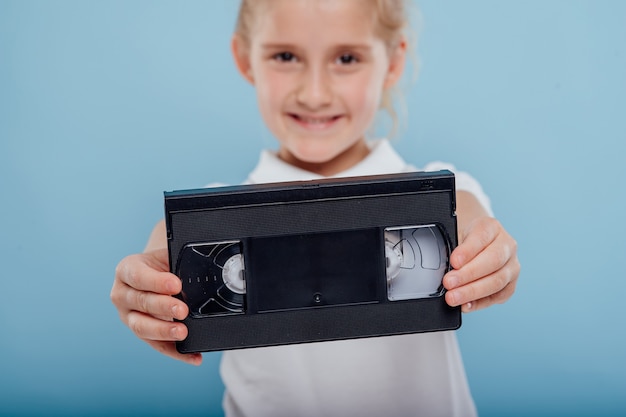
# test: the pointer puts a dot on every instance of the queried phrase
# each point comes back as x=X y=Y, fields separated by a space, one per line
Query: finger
x=479 y=235
x=169 y=349
x=138 y=271
x=497 y=298
x=485 y=286
x=162 y=306
x=150 y=328
x=493 y=258
x=165 y=307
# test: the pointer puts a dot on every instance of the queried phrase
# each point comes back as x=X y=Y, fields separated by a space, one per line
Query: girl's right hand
x=142 y=292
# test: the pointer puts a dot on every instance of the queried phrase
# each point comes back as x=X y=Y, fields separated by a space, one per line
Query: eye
x=285 y=57
x=347 y=59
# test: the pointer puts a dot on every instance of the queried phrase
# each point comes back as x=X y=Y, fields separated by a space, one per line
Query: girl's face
x=319 y=69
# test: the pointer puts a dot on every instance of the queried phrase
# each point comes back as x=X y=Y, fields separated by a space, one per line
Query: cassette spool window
x=416 y=261
x=213 y=278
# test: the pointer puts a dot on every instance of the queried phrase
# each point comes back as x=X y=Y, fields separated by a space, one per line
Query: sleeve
x=215 y=185
x=464 y=182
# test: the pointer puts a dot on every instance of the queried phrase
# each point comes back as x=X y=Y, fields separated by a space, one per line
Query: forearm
x=468 y=208
x=158 y=238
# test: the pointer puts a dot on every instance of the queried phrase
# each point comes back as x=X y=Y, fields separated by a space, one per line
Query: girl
x=322 y=69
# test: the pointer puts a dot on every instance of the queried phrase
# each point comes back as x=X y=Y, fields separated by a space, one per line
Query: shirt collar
x=382 y=159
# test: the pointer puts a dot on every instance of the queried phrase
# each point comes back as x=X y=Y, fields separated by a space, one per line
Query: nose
x=315 y=90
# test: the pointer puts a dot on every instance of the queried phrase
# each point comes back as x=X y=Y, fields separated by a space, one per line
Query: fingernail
x=468 y=306
x=175 y=333
x=175 y=311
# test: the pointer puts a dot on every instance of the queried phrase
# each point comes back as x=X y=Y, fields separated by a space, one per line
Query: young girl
x=322 y=69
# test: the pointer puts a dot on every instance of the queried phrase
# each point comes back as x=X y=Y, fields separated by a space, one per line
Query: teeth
x=316 y=121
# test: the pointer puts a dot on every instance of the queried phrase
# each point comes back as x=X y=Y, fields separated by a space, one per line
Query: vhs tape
x=310 y=261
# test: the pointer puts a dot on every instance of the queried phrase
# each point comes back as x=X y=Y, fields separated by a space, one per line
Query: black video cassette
x=310 y=261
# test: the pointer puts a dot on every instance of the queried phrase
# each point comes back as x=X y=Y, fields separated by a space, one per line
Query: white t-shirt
x=408 y=375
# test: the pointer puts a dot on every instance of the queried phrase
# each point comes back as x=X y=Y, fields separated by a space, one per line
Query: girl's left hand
x=485 y=265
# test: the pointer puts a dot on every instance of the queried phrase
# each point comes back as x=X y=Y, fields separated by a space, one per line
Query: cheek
x=269 y=90
x=364 y=94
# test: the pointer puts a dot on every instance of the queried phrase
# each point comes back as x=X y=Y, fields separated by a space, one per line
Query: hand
x=485 y=265
x=142 y=292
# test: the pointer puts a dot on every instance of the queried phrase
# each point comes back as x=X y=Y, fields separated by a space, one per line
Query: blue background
x=104 y=105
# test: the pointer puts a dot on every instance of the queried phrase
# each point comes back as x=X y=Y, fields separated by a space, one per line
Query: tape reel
x=213 y=278
x=416 y=260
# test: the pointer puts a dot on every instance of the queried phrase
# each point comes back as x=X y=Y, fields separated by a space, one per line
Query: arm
x=142 y=293
x=485 y=262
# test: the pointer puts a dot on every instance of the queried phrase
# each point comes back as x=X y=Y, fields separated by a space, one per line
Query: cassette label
x=297 y=262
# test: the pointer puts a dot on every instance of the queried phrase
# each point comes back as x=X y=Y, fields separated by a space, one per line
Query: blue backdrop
x=104 y=105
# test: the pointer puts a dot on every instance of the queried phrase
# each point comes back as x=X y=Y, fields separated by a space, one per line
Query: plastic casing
x=352 y=210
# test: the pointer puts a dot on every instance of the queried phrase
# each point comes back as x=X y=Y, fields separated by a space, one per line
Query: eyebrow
x=277 y=46
x=343 y=46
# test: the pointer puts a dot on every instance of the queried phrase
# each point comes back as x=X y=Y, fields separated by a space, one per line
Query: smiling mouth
x=314 y=123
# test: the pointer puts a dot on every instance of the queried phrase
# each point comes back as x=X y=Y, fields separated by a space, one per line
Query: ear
x=241 y=55
x=397 y=60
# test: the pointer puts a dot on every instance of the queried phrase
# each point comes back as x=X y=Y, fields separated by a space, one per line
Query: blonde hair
x=393 y=18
